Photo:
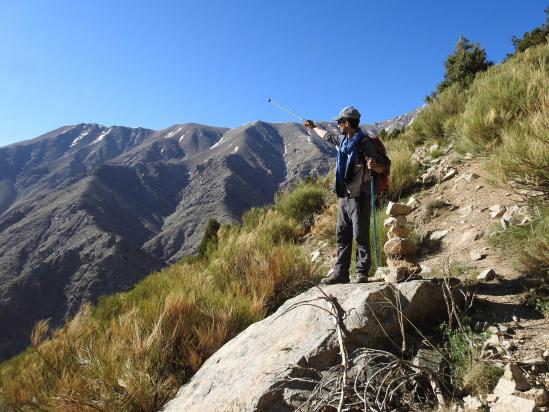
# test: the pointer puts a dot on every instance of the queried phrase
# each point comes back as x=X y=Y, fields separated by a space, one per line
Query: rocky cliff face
x=88 y=210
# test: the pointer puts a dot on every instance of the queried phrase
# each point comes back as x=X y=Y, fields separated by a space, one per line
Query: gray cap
x=348 y=112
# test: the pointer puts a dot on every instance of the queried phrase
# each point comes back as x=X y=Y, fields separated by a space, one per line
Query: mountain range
x=88 y=210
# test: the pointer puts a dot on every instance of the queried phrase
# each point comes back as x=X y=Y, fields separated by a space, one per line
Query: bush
x=301 y=203
x=503 y=95
x=381 y=235
x=530 y=244
x=437 y=120
x=458 y=350
x=209 y=240
x=481 y=378
x=404 y=170
x=523 y=155
x=253 y=217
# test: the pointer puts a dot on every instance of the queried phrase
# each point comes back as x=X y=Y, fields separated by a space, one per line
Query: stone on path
x=451 y=173
x=477 y=255
x=472 y=404
x=438 y=234
x=487 y=274
x=466 y=211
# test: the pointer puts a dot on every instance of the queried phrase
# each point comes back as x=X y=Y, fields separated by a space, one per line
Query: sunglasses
x=341 y=121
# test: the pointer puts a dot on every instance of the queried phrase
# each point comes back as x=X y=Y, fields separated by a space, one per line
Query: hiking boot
x=361 y=279
x=332 y=278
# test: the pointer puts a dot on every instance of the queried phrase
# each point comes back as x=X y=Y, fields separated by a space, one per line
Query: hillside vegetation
x=133 y=350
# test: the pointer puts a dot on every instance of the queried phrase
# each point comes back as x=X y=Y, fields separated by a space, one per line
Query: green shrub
x=301 y=203
x=381 y=235
x=404 y=170
x=523 y=155
x=481 y=378
x=437 y=120
x=253 y=217
x=458 y=349
x=505 y=94
x=209 y=240
x=529 y=243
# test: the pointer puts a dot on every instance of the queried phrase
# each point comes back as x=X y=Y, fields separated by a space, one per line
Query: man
x=358 y=158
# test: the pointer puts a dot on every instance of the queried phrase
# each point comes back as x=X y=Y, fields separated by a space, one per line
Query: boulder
x=433 y=148
x=254 y=371
x=398 y=209
x=399 y=247
x=380 y=274
x=466 y=211
x=430 y=176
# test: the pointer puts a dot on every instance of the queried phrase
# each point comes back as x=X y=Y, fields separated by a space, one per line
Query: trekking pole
x=373 y=196
x=285 y=109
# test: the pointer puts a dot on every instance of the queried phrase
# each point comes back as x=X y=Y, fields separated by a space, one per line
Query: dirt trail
x=467 y=218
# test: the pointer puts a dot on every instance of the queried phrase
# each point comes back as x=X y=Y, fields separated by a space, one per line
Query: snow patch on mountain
x=101 y=136
x=172 y=133
x=84 y=133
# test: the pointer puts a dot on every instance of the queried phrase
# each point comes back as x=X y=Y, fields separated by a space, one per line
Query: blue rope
x=373 y=197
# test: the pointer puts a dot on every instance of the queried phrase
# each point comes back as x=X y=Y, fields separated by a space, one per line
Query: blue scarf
x=345 y=156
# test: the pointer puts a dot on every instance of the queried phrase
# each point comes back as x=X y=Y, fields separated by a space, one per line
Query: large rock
x=252 y=372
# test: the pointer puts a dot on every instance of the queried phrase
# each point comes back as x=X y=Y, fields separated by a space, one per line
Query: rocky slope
x=88 y=210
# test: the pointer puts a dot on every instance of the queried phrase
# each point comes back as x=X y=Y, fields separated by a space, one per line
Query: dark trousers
x=353 y=221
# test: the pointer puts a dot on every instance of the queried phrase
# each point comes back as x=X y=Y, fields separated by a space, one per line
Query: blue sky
x=155 y=64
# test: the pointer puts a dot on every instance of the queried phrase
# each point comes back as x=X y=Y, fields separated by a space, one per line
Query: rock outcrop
x=255 y=370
